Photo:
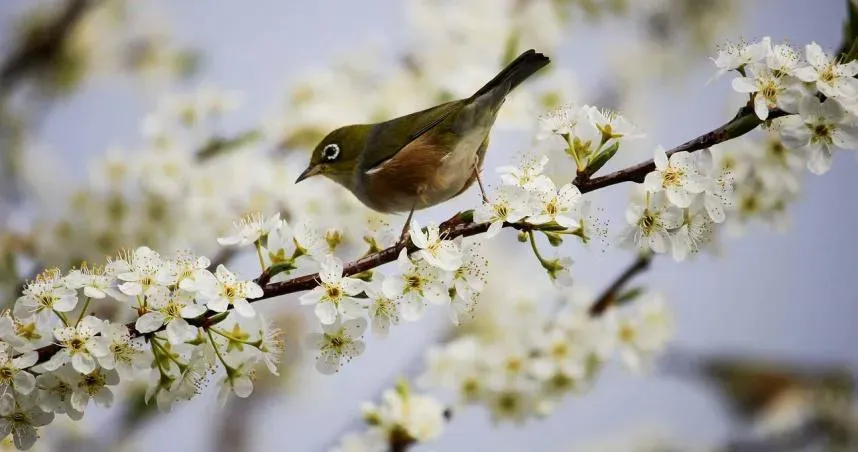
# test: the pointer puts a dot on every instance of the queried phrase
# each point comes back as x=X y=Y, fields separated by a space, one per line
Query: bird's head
x=338 y=154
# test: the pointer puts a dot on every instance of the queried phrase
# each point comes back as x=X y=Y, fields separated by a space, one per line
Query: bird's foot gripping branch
x=182 y=320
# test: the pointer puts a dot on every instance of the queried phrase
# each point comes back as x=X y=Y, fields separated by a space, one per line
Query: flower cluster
x=530 y=197
x=679 y=204
x=592 y=135
x=402 y=419
x=519 y=374
x=821 y=89
x=167 y=299
x=687 y=195
x=441 y=272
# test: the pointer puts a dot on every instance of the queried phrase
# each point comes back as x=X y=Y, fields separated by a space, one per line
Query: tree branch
x=462 y=225
x=609 y=296
x=43 y=46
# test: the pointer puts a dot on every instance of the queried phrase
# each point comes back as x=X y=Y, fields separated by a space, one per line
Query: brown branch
x=744 y=122
x=42 y=47
x=462 y=225
x=609 y=296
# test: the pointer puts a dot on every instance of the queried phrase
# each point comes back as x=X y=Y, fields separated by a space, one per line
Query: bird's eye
x=331 y=152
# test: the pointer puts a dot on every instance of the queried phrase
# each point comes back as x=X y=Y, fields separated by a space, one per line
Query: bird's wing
x=392 y=136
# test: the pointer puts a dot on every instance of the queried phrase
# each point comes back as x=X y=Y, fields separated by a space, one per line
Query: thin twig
x=609 y=296
x=461 y=226
x=44 y=46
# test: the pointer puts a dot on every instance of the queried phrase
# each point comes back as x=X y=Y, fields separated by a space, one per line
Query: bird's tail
x=516 y=72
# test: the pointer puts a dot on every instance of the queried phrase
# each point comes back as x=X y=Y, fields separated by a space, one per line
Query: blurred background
x=159 y=123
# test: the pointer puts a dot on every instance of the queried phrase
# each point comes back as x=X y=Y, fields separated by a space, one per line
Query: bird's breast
x=426 y=172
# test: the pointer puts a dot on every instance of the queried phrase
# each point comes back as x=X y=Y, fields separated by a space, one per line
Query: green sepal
x=553 y=238
x=280 y=267
x=600 y=159
x=629 y=295
x=850 y=33
x=217 y=146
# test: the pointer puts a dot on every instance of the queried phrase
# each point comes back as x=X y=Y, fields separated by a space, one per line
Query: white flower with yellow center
x=719 y=190
x=695 y=232
x=770 y=90
x=170 y=309
x=224 y=289
x=649 y=224
x=250 y=229
x=678 y=176
x=557 y=206
x=416 y=283
x=142 y=271
x=436 y=251
x=337 y=343
x=12 y=371
x=819 y=128
x=560 y=357
x=123 y=353
x=527 y=175
x=507 y=207
x=733 y=56
x=382 y=310
x=334 y=296
x=48 y=293
x=79 y=344
x=641 y=335
x=20 y=417
x=832 y=78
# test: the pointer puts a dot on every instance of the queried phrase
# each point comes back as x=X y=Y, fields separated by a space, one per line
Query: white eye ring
x=331 y=152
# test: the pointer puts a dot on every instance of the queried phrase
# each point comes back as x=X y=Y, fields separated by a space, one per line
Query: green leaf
x=280 y=267
x=629 y=295
x=599 y=160
x=850 y=32
x=554 y=238
x=217 y=146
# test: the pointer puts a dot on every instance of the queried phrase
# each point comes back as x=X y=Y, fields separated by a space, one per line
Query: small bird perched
x=424 y=158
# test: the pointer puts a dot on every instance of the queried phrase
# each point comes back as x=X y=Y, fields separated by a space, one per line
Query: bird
x=424 y=158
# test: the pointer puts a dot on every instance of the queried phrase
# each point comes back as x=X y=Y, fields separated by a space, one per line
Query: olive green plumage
x=424 y=158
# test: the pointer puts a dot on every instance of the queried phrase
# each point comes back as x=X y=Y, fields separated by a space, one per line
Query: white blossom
x=649 y=224
x=224 y=289
x=769 y=90
x=383 y=311
x=49 y=292
x=238 y=380
x=80 y=345
x=436 y=251
x=13 y=373
x=527 y=175
x=93 y=386
x=695 y=232
x=679 y=177
x=20 y=417
x=333 y=298
x=420 y=416
x=737 y=56
x=819 y=128
x=142 y=271
x=718 y=192
x=556 y=205
x=507 y=207
x=644 y=333
x=416 y=283
x=123 y=353
x=250 y=228
x=337 y=343
x=832 y=78
x=170 y=309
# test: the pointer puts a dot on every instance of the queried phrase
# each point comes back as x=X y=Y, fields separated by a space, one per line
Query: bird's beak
x=311 y=171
